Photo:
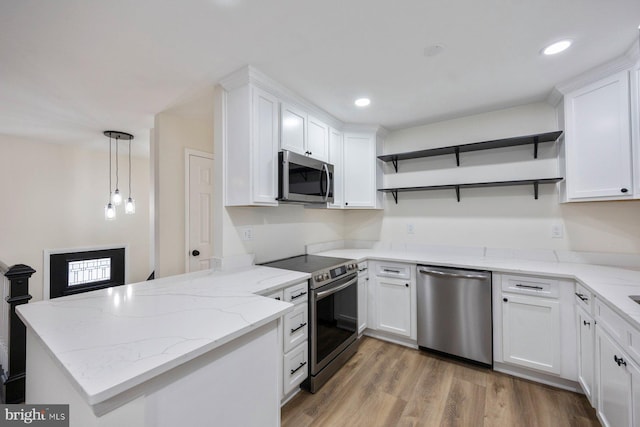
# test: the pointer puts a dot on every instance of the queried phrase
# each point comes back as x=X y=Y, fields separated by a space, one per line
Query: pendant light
x=130 y=205
x=115 y=198
x=109 y=210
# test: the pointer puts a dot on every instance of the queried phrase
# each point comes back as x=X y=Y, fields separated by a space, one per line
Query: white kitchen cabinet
x=293 y=132
x=296 y=366
x=586 y=327
x=359 y=165
x=335 y=158
x=531 y=332
x=618 y=384
x=394 y=305
x=363 y=294
x=303 y=133
x=317 y=139
x=251 y=147
x=598 y=140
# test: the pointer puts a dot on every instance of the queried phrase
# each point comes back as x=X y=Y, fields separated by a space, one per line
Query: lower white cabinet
x=618 y=384
x=531 y=332
x=394 y=302
x=363 y=294
x=586 y=328
x=293 y=332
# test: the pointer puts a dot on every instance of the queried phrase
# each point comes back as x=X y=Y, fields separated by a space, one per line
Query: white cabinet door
x=265 y=148
x=613 y=382
x=394 y=305
x=359 y=170
x=363 y=285
x=598 y=140
x=531 y=332
x=335 y=158
x=293 y=126
x=317 y=139
x=586 y=352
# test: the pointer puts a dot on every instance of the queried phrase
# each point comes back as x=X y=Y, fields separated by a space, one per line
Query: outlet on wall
x=410 y=229
x=557 y=231
x=246 y=233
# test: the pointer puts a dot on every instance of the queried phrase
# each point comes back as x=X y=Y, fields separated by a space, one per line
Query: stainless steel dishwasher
x=454 y=312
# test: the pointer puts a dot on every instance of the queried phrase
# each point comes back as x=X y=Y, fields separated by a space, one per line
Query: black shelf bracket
x=395 y=163
x=458 y=193
x=535 y=190
x=395 y=196
x=536 y=140
x=457 y=153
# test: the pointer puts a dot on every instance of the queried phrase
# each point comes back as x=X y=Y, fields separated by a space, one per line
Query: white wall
x=494 y=217
x=53 y=197
x=172 y=134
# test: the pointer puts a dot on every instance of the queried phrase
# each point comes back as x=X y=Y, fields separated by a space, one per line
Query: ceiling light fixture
x=557 y=47
x=115 y=198
x=362 y=102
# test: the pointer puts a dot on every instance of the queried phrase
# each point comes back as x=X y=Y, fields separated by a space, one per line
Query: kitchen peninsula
x=179 y=350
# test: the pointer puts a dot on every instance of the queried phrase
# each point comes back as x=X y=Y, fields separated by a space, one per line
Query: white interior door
x=199 y=215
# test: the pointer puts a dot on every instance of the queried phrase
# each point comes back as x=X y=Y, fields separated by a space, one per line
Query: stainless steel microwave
x=302 y=179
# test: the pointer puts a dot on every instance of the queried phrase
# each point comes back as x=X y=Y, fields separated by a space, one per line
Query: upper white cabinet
x=251 y=147
x=598 y=140
x=293 y=129
x=317 y=139
x=360 y=170
x=303 y=133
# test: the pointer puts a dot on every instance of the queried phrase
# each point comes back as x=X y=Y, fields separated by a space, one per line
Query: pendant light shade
x=115 y=197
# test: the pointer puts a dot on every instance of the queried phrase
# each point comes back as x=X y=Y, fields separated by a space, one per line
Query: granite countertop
x=611 y=284
x=111 y=340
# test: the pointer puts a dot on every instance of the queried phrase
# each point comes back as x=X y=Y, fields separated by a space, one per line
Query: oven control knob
x=325 y=276
x=319 y=278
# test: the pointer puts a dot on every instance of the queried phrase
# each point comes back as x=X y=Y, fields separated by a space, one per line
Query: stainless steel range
x=333 y=312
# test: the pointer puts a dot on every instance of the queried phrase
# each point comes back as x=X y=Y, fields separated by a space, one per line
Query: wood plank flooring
x=386 y=384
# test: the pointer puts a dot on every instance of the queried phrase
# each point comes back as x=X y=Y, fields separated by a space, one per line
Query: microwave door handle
x=326 y=170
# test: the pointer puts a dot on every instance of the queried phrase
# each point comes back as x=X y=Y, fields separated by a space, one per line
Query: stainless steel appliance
x=333 y=313
x=302 y=179
x=454 y=312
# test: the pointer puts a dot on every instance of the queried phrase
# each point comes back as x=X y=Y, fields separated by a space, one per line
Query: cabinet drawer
x=295 y=326
x=614 y=324
x=634 y=344
x=391 y=269
x=296 y=367
x=527 y=285
x=584 y=298
x=297 y=293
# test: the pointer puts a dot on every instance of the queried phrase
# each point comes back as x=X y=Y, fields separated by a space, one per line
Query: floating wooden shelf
x=476 y=146
x=535 y=182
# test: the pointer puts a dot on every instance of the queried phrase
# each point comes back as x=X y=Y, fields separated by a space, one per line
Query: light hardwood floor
x=386 y=384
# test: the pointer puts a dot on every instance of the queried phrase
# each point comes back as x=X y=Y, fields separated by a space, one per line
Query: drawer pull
x=619 y=360
x=293 y=371
x=388 y=270
x=585 y=323
x=301 y=294
x=582 y=297
x=278 y=298
x=519 y=285
x=302 y=325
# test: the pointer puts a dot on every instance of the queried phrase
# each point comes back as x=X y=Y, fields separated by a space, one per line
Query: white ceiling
x=70 y=69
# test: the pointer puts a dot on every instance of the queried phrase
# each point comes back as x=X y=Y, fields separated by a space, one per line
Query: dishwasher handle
x=424 y=270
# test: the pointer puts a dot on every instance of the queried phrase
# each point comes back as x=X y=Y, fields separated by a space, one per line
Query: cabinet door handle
x=301 y=294
x=519 y=285
x=582 y=297
x=302 y=325
x=278 y=298
x=293 y=371
x=505 y=300
x=388 y=270
x=623 y=190
x=585 y=323
x=406 y=285
x=619 y=360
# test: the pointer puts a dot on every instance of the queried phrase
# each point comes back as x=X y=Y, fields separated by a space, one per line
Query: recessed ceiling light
x=557 y=47
x=362 y=102
x=433 y=50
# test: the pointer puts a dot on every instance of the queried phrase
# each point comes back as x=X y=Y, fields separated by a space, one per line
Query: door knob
x=195 y=252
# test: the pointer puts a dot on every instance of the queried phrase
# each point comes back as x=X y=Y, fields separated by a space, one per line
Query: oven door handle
x=322 y=294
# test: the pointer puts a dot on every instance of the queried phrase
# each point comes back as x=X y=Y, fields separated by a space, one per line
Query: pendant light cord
x=109 y=169
x=117 y=178
x=129 y=168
